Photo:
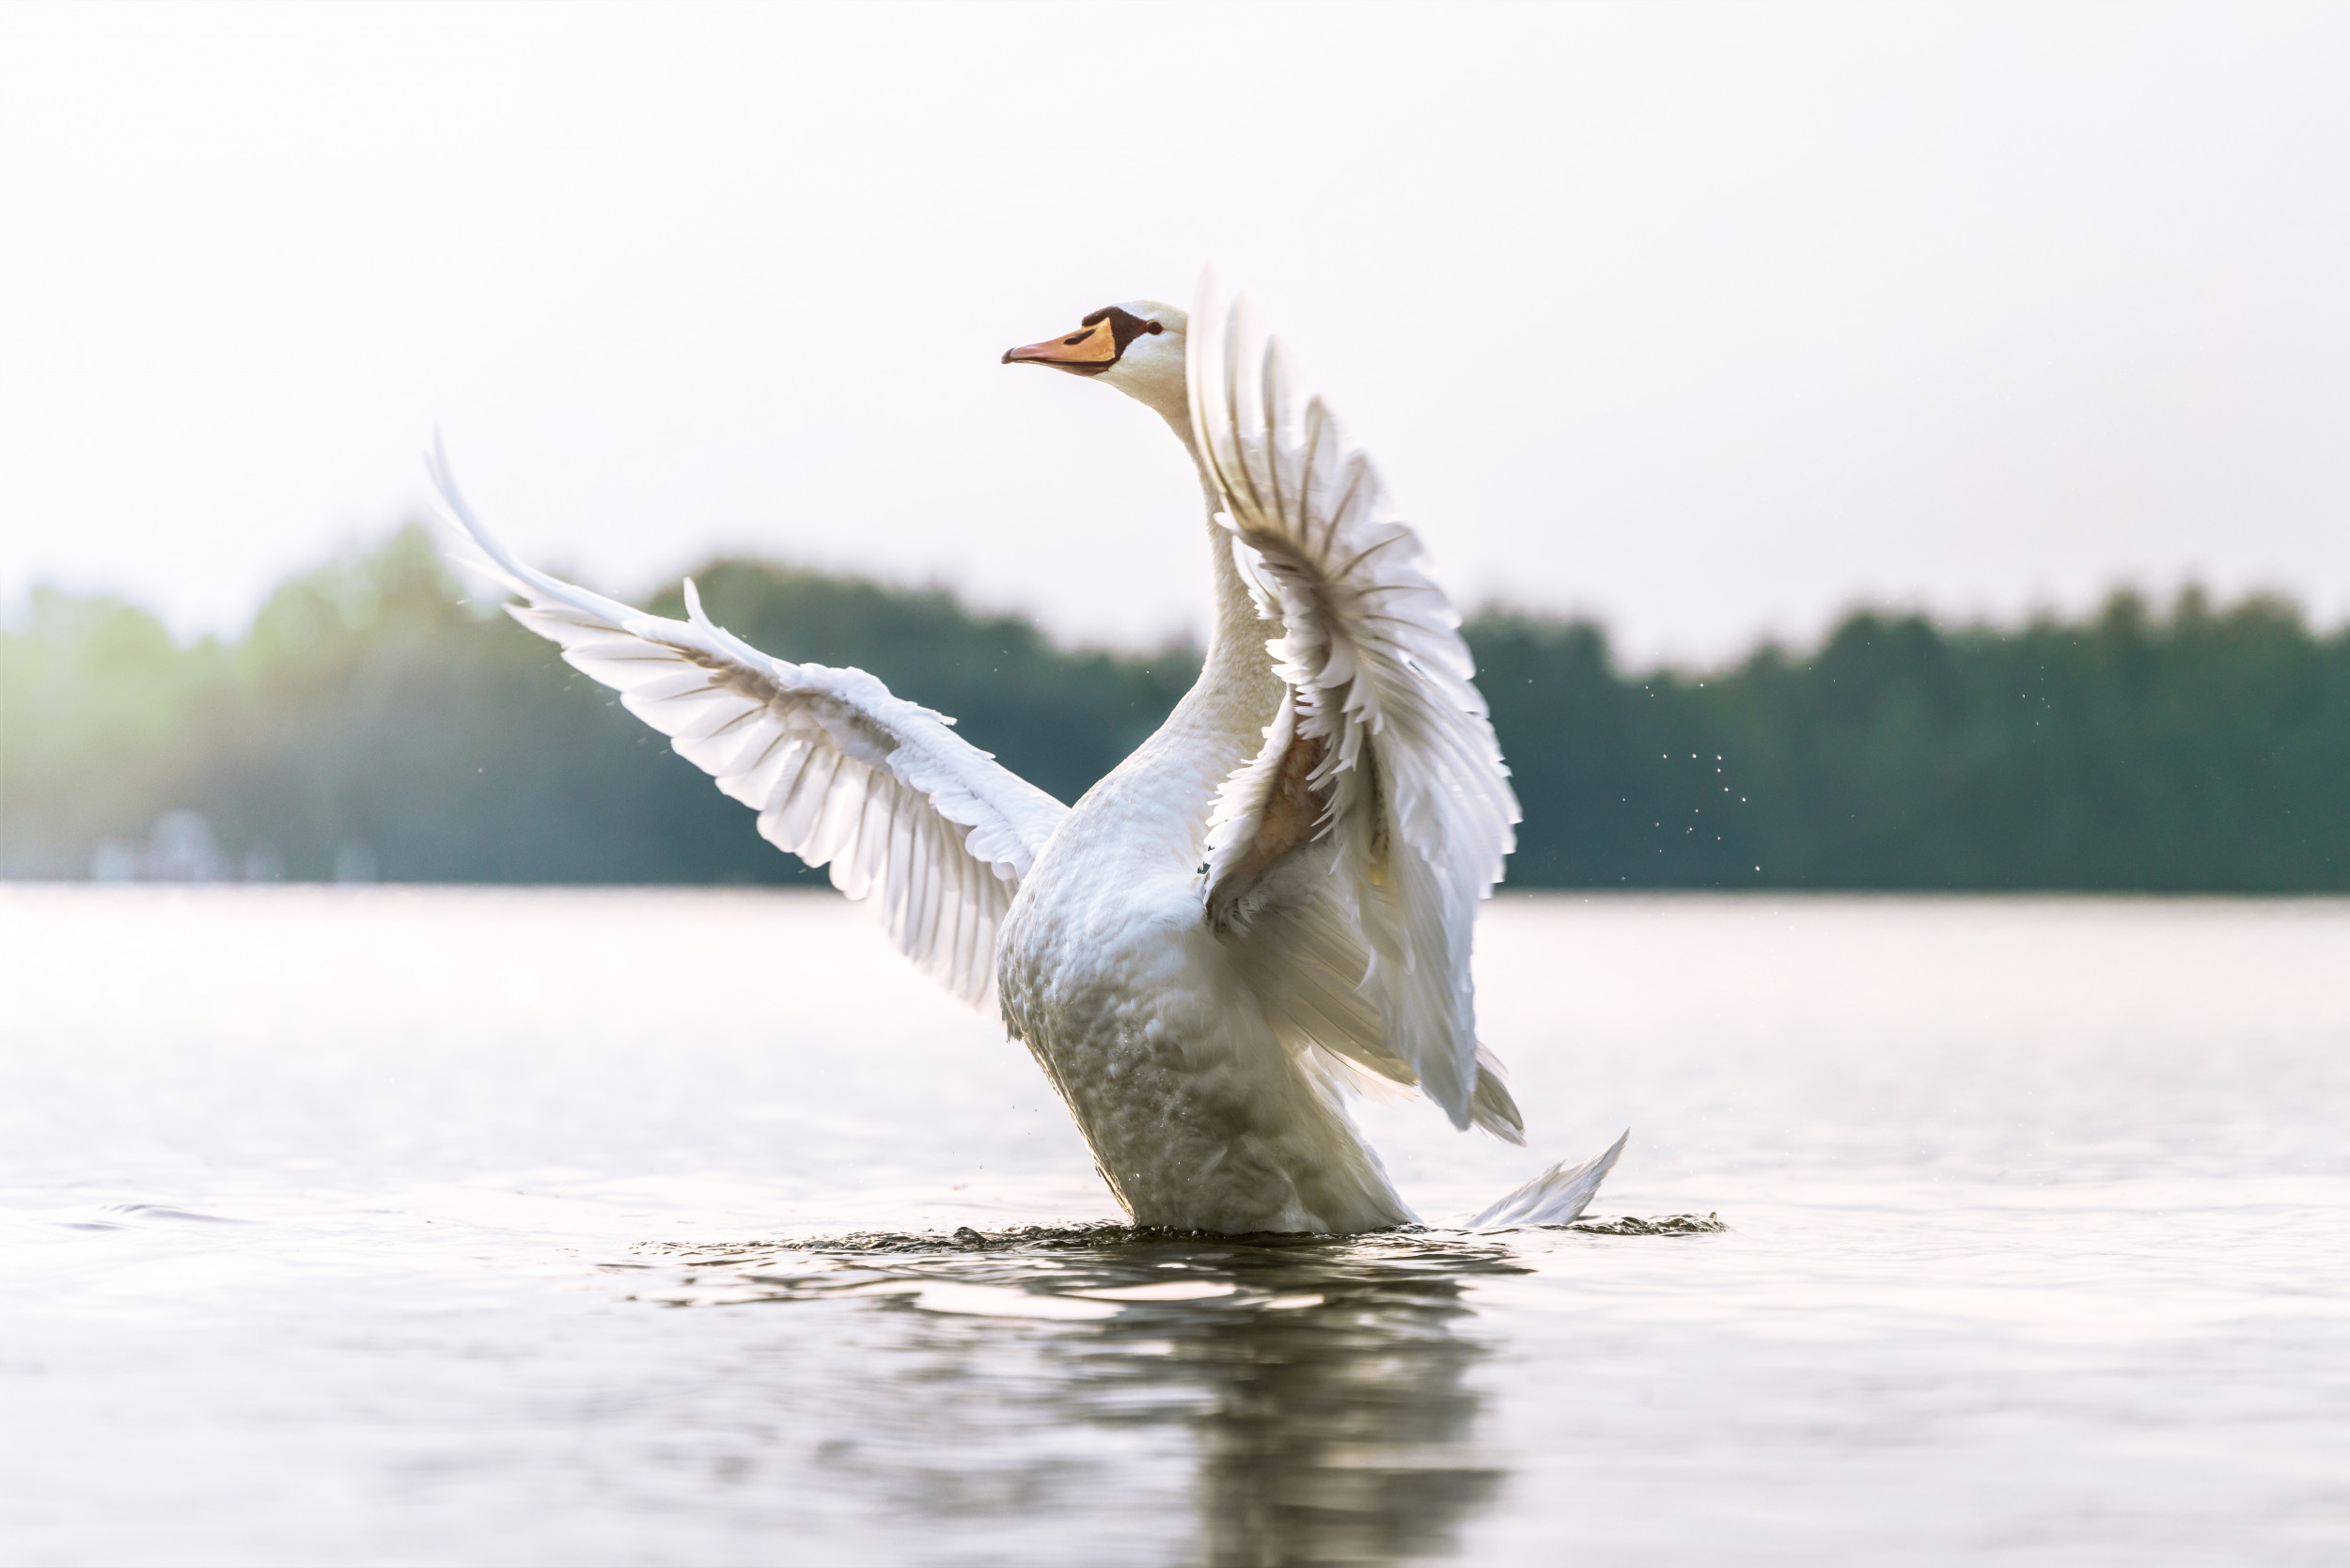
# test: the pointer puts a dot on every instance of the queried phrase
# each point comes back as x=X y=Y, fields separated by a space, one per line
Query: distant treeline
x=371 y=723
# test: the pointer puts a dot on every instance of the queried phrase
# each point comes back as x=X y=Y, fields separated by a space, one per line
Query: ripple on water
x=1324 y=1382
x=124 y=1217
x=1095 y=1271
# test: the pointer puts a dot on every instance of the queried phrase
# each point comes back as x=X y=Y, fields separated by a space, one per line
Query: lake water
x=442 y=1226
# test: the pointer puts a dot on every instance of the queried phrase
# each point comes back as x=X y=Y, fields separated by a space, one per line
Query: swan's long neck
x=1163 y=792
x=1237 y=691
x=1236 y=681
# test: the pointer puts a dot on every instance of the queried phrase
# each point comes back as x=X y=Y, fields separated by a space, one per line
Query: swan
x=1269 y=904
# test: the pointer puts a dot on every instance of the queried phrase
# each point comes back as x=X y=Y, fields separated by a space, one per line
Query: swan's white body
x=1271 y=901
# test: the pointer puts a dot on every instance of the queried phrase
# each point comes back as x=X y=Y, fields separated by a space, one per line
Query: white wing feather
x=1413 y=810
x=905 y=810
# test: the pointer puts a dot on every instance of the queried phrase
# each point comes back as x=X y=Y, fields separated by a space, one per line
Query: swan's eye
x=1125 y=326
x=1155 y=328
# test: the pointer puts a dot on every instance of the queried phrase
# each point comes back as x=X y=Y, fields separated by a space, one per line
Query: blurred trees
x=97 y=705
x=370 y=723
x=2199 y=750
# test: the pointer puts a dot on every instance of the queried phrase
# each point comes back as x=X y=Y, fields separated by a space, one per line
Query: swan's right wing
x=839 y=770
x=1379 y=807
x=1307 y=962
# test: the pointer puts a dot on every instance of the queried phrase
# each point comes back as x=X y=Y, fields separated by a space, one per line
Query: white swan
x=1270 y=902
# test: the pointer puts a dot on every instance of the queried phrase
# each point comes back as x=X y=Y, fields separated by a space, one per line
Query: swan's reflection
x=1339 y=1432
x=1320 y=1388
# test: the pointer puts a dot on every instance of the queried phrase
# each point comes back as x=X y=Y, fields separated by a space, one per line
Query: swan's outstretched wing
x=1379 y=802
x=839 y=770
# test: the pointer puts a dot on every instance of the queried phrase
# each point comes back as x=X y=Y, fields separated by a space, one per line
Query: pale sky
x=1708 y=321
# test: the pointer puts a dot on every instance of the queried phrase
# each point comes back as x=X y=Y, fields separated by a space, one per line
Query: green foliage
x=1618 y=778
x=2200 y=751
x=96 y=704
x=368 y=707
x=2203 y=749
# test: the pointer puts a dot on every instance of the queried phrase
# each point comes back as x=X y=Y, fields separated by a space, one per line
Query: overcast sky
x=1710 y=320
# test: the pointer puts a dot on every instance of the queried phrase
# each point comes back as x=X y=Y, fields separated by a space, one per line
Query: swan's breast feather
x=1106 y=960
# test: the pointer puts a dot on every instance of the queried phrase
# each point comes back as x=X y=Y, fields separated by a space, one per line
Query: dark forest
x=372 y=723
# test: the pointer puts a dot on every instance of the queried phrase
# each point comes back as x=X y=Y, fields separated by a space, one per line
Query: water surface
x=478 y=1227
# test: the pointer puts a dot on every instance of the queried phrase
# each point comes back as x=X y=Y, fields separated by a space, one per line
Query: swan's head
x=1136 y=347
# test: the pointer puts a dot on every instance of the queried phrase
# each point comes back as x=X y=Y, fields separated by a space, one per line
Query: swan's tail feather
x=1558 y=1197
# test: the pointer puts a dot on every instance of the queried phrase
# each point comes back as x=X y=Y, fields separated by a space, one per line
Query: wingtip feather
x=1557 y=1196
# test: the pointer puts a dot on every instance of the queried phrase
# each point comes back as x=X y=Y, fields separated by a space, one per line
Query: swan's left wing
x=1379 y=801
x=839 y=770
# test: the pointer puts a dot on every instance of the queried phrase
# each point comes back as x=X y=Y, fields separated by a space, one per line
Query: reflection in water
x=1319 y=1384
x=1338 y=1430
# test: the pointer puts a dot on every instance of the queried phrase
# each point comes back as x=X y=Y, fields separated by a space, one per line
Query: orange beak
x=1087 y=352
